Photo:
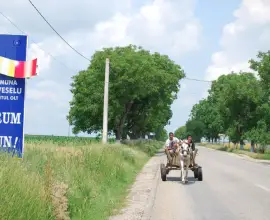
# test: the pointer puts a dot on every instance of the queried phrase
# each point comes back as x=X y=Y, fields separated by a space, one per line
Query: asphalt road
x=232 y=189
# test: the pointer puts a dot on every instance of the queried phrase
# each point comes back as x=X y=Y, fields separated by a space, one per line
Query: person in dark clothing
x=194 y=150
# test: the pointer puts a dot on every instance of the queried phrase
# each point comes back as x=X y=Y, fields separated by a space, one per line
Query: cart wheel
x=163 y=172
x=200 y=174
x=195 y=173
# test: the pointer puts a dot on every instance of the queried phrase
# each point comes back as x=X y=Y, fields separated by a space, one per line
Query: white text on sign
x=8 y=82
x=10 y=118
x=8 y=91
x=8 y=141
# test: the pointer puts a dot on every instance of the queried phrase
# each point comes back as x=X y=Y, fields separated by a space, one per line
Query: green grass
x=148 y=146
x=91 y=180
x=22 y=192
x=62 y=140
x=265 y=156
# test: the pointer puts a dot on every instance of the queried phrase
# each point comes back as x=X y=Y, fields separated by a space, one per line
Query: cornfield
x=62 y=140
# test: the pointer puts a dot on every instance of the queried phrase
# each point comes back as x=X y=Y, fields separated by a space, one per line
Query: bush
x=261 y=149
x=150 y=147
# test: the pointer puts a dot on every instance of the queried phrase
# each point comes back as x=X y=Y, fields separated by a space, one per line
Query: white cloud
x=168 y=27
x=66 y=16
x=242 y=38
x=36 y=95
x=44 y=60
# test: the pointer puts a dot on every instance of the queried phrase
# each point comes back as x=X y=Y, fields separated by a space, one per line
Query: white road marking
x=263 y=187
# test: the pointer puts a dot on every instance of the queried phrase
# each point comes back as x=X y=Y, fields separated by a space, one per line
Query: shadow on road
x=191 y=180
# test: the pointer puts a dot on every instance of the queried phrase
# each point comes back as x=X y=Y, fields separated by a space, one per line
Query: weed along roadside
x=74 y=182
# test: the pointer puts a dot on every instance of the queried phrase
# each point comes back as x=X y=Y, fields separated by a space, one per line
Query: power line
x=17 y=27
x=199 y=80
x=57 y=32
x=187 y=78
x=78 y=51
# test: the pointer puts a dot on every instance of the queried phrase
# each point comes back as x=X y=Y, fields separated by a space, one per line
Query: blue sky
x=206 y=37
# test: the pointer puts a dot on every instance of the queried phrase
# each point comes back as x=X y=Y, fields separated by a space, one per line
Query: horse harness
x=188 y=150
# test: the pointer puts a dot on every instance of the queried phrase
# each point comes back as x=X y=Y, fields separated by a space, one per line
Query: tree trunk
x=123 y=136
x=252 y=146
x=241 y=144
x=120 y=124
x=132 y=136
x=118 y=133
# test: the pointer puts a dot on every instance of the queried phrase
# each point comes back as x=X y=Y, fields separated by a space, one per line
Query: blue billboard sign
x=12 y=97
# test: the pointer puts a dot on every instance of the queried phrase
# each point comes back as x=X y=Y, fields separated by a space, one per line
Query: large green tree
x=238 y=105
x=142 y=88
x=161 y=134
x=181 y=132
x=262 y=67
x=237 y=96
x=261 y=132
x=196 y=129
x=207 y=112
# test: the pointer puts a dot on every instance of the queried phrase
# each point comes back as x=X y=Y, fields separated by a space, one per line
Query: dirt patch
x=60 y=201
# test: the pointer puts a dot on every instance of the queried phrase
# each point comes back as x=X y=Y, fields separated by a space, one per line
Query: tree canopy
x=181 y=132
x=142 y=87
x=237 y=105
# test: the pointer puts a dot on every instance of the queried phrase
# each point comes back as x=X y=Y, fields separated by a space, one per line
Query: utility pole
x=105 y=107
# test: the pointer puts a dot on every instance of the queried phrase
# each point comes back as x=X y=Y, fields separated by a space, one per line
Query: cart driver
x=194 y=150
x=171 y=146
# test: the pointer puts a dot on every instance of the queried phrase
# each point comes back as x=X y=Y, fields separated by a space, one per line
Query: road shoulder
x=141 y=198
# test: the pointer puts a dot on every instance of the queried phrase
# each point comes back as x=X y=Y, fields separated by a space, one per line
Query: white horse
x=185 y=160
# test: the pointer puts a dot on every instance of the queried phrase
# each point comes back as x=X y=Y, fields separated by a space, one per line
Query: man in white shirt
x=171 y=146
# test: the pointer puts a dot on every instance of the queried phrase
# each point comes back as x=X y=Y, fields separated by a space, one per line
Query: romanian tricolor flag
x=18 y=69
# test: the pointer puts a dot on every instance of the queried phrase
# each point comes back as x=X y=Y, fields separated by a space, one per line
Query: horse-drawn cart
x=175 y=165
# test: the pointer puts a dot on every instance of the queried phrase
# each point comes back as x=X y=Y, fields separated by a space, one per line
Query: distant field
x=62 y=140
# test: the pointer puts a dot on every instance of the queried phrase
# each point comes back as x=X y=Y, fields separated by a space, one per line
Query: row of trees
x=194 y=128
x=237 y=106
x=142 y=87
